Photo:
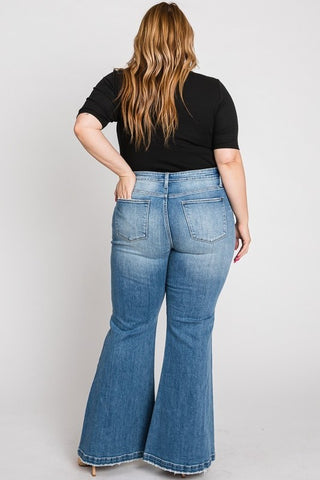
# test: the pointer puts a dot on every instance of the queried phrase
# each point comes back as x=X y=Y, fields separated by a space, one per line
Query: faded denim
x=175 y=237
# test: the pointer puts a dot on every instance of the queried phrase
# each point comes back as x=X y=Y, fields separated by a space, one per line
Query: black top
x=214 y=124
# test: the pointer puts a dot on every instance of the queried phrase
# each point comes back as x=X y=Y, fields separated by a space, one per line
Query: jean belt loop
x=166 y=180
x=220 y=181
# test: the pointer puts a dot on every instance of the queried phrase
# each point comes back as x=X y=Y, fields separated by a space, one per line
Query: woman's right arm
x=230 y=166
x=229 y=162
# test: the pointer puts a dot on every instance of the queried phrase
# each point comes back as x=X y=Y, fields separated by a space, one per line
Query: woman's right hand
x=242 y=233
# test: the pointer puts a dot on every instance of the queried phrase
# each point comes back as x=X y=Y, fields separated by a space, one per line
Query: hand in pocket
x=125 y=186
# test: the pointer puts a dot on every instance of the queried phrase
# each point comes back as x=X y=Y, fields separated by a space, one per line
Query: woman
x=181 y=180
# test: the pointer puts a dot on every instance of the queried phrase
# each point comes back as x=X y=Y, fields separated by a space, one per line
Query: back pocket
x=206 y=218
x=131 y=218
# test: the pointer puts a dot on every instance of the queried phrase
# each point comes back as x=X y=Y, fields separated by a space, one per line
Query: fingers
x=119 y=195
x=123 y=198
x=243 y=250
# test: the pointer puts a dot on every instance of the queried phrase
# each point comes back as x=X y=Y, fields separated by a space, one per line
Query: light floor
x=42 y=446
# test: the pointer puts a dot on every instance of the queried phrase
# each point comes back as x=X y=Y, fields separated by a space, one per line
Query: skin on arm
x=87 y=129
x=230 y=166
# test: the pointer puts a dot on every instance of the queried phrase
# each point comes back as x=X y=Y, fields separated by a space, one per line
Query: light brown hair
x=162 y=59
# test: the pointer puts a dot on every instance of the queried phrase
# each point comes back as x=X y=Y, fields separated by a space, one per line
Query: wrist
x=126 y=174
x=242 y=221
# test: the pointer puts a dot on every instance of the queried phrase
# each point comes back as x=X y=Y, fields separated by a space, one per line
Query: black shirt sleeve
x=225 y=128
x=101 y=101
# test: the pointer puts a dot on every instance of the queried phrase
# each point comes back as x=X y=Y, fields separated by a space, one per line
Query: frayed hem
x=109 y=461
x=146 y=457
x=203 y=469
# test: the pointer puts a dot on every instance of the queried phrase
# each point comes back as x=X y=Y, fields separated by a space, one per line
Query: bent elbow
x=77 y=128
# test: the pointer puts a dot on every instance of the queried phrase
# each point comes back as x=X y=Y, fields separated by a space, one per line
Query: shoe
x=93 y=467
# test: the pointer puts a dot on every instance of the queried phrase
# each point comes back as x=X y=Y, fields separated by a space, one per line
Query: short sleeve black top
x=213 y=125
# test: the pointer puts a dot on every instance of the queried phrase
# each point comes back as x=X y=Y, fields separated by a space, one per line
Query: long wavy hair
x=162 y=59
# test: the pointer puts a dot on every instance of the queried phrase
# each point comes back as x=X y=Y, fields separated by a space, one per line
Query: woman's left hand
x=125 y=186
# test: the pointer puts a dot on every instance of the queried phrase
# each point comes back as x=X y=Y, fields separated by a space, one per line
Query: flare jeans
x=173 y=238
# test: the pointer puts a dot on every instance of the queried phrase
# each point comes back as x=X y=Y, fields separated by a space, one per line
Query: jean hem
x=176 y=467
x=105 y=461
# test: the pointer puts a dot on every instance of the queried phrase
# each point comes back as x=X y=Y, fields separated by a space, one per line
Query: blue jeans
x=175 y=236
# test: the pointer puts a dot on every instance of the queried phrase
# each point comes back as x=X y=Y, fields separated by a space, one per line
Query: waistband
x=167 y=177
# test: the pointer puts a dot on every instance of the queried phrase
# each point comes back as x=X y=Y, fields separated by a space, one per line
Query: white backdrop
x=56 y=206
